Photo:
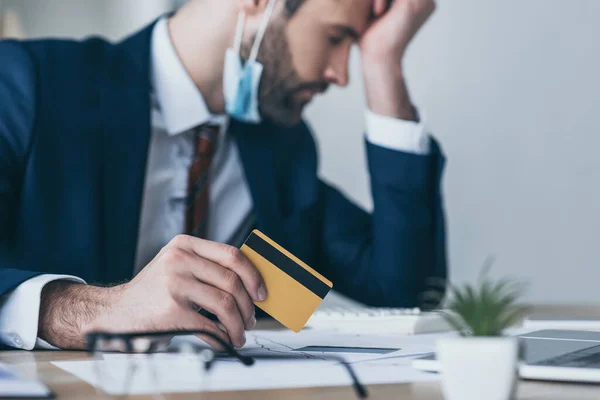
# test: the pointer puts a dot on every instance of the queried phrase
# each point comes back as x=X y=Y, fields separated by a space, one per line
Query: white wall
x=81 y=18
x=510 y=87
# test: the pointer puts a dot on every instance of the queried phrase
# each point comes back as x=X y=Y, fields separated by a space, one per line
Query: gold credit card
x=295 y=290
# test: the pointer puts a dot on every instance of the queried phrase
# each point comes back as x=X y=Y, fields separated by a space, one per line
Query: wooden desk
x=67 y=386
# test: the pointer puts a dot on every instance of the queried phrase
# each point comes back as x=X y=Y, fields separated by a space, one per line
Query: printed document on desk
x=376 y=359
x=13 y=386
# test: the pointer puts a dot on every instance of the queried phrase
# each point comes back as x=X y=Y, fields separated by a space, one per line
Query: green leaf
x=514 y=316
x=455 y=322
x=487 y=308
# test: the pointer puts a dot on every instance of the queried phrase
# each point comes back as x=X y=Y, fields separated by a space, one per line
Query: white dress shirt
x=177 y=108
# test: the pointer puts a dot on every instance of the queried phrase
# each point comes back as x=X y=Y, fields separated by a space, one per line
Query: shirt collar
x=181 y=104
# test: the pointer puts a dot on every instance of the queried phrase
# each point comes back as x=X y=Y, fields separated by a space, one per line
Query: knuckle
x=177 y=240
x=232 y=281
x=227 y=303
x=180 y=240
x=174 y=255
x=234 y=255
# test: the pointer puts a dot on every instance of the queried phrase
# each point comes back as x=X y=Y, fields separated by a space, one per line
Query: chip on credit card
x=295 y=290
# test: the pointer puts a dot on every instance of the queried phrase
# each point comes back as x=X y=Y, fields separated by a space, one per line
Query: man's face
x=306 y=52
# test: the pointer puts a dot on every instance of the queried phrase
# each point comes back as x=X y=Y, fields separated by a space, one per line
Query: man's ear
x=253 y=7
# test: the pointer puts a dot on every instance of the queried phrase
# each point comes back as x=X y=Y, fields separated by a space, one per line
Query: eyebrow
x=348 y=31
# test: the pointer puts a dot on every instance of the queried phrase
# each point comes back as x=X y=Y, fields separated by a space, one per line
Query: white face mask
x=241 y=83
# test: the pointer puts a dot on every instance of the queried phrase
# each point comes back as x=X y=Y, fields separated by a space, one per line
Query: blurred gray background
x=510 y=88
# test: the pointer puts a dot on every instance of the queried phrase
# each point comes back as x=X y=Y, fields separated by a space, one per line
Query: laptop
x=550 y=355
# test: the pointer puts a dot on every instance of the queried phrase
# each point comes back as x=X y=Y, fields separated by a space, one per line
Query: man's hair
x=291 y=6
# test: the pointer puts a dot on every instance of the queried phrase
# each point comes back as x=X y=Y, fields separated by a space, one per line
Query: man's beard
x=280 y=82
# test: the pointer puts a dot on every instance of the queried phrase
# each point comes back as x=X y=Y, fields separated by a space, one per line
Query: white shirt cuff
x=20 y=312
x=398 y=134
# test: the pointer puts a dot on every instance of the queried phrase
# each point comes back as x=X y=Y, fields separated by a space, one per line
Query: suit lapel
x=126 y=144
x=126 y=107
x=256 y=147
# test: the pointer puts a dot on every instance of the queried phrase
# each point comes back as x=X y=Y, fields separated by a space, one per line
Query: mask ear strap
x=261 y=30
x=239 y=32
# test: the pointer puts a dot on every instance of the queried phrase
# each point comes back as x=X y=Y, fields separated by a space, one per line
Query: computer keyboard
x=352 y=319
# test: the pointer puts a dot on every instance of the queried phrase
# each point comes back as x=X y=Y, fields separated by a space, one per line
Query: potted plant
x=481 y=363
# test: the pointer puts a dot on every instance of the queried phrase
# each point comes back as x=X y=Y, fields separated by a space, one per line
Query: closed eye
x=335 y=40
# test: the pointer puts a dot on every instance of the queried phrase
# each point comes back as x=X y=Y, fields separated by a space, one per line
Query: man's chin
x=284 y=118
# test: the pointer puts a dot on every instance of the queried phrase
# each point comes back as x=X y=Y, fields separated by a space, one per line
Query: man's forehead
x=352 y=13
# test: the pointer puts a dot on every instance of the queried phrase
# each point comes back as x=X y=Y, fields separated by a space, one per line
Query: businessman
x=130 y=173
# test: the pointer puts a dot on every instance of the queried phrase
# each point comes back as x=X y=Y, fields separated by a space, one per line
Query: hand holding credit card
x=295 y=289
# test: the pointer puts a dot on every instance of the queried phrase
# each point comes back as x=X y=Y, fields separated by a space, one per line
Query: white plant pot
x=479 y=368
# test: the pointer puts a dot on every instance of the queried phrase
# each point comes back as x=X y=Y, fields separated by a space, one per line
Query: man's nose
x=337 y=71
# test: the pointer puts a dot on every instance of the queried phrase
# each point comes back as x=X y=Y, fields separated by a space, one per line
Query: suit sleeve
x=390 y=256
x=17 y=118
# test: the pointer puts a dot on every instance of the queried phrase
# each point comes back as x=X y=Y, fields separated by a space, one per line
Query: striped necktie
x=196 y=213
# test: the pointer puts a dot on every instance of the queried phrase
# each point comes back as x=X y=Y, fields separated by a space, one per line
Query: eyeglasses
x=146 y=351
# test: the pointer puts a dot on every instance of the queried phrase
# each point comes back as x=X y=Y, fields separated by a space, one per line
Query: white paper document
x=13 y=385
x=376 y=359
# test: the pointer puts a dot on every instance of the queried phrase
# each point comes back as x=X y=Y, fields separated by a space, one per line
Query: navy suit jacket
x=74 y=137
